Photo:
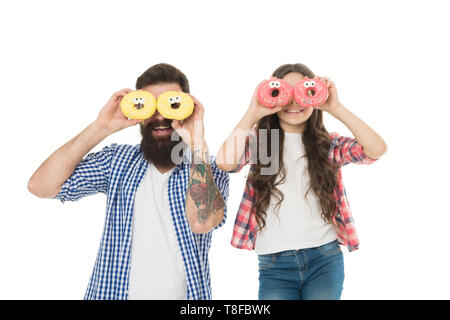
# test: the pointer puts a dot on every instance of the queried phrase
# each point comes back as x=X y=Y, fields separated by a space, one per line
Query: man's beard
x=159 y=150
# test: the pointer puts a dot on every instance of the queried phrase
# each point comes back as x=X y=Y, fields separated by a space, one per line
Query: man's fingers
x=133 y=122
x=198 y=107
x=123 y=92
x=175 y=124
x=196 y=102
x=119 y=95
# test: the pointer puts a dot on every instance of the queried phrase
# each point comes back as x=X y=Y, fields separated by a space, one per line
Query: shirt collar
x=293 y=145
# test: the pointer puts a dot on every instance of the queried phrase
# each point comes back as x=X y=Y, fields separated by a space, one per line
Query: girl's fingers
x=324 y=79
x=255 y=93
x=257 y=87
x=274 y=109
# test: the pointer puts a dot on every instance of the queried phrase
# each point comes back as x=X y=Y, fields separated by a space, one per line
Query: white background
x=60 y=62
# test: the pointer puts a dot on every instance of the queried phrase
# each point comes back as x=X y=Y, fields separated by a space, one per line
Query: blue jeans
x=305 y=274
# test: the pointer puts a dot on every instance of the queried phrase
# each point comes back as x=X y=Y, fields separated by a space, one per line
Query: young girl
x=296 y=216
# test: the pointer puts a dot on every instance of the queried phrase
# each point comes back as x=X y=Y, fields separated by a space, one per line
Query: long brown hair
x=317 y=143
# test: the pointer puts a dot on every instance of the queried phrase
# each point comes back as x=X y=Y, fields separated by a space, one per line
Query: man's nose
x=157 y=116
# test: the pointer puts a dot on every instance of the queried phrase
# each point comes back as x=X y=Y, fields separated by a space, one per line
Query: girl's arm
x=232 y=150
x=373 y=145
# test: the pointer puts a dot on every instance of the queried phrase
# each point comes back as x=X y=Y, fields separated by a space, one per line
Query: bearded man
x=165 y=196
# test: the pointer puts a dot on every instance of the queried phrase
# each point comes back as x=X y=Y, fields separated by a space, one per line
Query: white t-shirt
x=157 y=269
x=298 y=223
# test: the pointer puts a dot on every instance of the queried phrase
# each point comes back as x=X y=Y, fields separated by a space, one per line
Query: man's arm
x=46 y=182
x=205 y=205
x=204 y=202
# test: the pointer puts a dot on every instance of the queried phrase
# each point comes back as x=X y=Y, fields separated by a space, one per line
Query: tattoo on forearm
x=202 y=188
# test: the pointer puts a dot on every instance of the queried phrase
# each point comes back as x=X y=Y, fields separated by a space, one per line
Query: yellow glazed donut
x=139 y=105
x=175 y=105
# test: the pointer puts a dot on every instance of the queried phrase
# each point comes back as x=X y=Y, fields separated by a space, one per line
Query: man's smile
x=162 y=130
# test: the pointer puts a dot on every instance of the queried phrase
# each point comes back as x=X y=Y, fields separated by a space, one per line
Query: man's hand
x=191 y=129
x=111 y=118
x=46 y=182
x=204 y=202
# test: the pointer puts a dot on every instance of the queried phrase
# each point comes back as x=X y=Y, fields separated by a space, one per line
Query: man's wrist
x=100 y=130
x=96 y=132
x=200 y=152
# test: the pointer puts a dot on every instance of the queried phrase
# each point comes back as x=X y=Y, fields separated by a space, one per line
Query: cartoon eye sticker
x=138 y=105
x=310 y=93
x=175 y=105
x=274 y=84
x=274 y=92
x=139 y=102
x=175 y=102
x=172 y=100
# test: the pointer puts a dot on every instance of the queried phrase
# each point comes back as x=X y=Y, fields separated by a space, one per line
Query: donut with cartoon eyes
x=175 y=105
x=274 y=92
x=310 y=92
x=139 y=105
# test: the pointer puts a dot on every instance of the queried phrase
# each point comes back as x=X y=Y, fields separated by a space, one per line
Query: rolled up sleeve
x=91 y=176
x=345 y=150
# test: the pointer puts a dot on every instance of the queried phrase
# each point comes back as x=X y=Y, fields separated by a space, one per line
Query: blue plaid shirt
x=117 y=171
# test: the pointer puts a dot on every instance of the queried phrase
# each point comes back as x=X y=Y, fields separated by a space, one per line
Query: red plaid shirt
x=344 y=150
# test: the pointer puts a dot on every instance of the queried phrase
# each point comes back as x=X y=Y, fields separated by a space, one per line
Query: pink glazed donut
x=318 y=93
x=274 y=92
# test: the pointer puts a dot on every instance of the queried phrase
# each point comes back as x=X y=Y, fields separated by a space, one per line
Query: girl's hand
x=256 y=111
x=332 y=103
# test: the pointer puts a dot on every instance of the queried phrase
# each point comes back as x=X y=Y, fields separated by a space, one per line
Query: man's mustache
x=146 y=131
x=158 y=123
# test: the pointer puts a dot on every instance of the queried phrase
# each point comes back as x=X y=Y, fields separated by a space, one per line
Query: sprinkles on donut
x=310 y=92
x=274 y=92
